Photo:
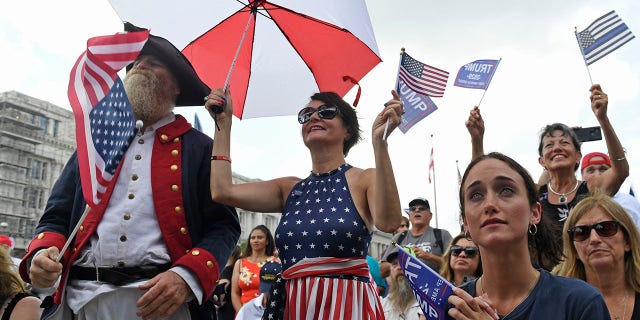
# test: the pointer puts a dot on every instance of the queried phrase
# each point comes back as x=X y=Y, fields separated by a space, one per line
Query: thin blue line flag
x=602 y=37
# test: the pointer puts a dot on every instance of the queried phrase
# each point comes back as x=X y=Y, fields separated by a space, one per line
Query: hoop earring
x=467 y=235
x=535 y=229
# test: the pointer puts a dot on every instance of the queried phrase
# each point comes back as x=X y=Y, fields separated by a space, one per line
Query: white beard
x=401 y=293
x=146 y=96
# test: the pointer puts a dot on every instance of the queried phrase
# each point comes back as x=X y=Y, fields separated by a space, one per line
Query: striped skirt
x=325 y=288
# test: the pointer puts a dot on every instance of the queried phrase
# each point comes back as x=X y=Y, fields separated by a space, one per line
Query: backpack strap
x=438 y=233
x=401 y=237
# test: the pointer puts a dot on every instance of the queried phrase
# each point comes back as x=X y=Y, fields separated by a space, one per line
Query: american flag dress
x=323 y=242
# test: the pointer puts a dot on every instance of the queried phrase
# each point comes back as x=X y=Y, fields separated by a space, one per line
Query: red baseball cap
x=588 y=160
x=6 y=241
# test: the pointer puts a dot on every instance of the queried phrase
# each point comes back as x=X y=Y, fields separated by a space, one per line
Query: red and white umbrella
x=284 y=50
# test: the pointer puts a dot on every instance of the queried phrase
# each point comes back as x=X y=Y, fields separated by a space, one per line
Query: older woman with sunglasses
x=461 y=262
x=327 y=218
x=501 y=213
x=602 y=247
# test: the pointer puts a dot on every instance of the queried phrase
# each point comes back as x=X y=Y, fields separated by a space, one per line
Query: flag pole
x=386 y=125
x=575 y=31
x=435 y=199
x=489 y=82
x=73 y=233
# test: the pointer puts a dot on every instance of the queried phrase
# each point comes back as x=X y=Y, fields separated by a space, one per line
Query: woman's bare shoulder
x=27 y=308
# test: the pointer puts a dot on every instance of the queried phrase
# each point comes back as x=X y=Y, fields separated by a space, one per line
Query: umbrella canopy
x=286 y=50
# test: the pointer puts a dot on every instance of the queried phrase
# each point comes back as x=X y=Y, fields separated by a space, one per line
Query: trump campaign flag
x=429 y=287
x=603 y=36
x=104 y=120
x=476 y=74
x=415 y=83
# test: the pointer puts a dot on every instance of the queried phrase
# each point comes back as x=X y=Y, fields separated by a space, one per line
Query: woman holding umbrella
x=327 y=218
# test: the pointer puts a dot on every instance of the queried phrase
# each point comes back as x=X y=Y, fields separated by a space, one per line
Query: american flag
x=431 y=164
x=422 y=78
x=603 y=36
x=104 y=120
x=459 y=175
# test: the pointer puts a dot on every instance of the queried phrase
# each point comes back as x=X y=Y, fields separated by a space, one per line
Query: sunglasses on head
x=325 y=111
x=468 y=251
x=603 y=229
x=418 y=208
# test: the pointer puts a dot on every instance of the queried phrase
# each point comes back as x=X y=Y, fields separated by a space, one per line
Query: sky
x=541 y=79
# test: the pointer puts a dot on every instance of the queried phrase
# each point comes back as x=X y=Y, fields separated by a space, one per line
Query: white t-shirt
x=412 y=313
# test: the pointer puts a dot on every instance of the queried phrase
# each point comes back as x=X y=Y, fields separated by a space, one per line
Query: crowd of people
x=166 y=243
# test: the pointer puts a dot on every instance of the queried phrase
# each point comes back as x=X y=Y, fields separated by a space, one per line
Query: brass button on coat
x=164 y=137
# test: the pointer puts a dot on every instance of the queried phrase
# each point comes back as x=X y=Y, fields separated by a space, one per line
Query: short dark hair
x=348 y=115
x=566 y=131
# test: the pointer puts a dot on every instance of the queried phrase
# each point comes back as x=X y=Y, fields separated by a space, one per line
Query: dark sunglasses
x=418 y=208
x=325 y=111
x=468 y=251
x=603 y=229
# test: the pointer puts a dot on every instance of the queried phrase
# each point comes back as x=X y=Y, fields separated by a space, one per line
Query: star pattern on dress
x=326 y=204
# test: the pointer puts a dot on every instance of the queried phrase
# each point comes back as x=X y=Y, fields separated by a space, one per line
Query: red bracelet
x=225 y=158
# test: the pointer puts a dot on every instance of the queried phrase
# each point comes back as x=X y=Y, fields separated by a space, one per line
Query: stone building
x=36 y=139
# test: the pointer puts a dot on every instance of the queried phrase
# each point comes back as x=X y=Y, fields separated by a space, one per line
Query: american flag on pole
x=431 y=164
x=603 y=36
x=422 y=78
x=459 y=175
x=104 y=120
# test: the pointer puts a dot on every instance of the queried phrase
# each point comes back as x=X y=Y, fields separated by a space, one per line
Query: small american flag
x=105 y=124
x=431 y=164
x=422 y=78
x=603 y=36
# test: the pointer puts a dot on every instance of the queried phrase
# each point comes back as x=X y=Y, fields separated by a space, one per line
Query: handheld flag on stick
x=603 y=36
x=415 y=83
x=104 y=119
x=429 y=287
x=477 y=75
x=431 y=164
x=422 y=78
x=196 y=123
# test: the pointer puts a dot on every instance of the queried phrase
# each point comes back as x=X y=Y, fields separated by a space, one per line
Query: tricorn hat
x=192 y=89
